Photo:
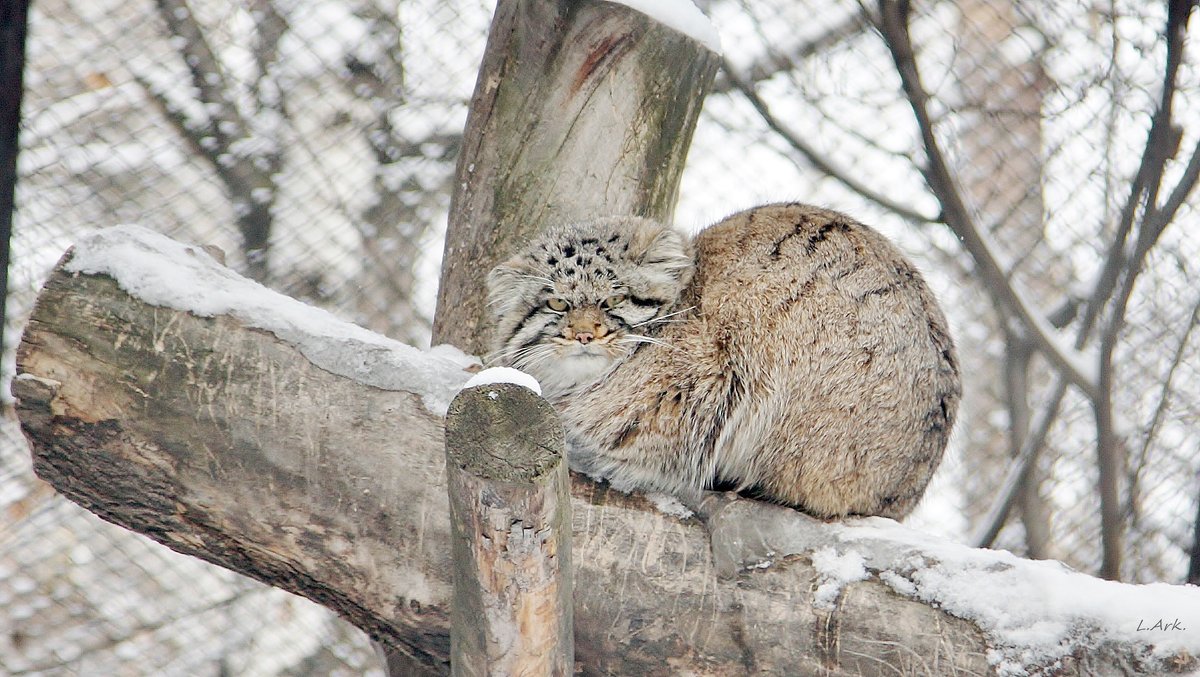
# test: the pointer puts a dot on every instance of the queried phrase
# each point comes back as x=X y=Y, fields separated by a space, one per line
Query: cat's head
x=581 y=296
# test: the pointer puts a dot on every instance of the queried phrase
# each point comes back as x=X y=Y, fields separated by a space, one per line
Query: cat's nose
x=584 y=336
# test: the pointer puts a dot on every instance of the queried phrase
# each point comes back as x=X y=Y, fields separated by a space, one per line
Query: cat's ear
x=662 y=247
x=506 y=282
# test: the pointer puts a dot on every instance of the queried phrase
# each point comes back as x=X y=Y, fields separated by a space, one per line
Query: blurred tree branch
x=1004 y=231
x=1133 y=507
x=1122 y=264
x=1017 y=356
x=1113 y=288
x=244 y=154
x=1018 y=470
x=818 y=160
x=775 y=62
x=394 y=224
x=1161 y=145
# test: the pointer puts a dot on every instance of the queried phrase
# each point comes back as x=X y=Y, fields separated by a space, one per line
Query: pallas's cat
x=789 y=352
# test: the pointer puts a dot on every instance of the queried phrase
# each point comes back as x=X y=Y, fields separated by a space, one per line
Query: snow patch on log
x=170 y=274
x=504 y=375
x=669 y=505
x=1033 y=612
x=836 y=570
x=1034 y=615
x=681 y=15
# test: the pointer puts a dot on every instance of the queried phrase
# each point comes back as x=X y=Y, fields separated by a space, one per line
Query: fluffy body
x=796 y=355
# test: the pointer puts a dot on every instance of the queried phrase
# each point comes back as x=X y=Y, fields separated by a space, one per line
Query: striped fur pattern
x=796 y=356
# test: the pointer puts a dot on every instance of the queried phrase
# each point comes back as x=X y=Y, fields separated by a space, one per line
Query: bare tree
x=395 y=223
x=1142 y=221
x=242 y=127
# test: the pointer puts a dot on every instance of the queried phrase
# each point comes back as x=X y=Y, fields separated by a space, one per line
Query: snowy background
x=315 y=140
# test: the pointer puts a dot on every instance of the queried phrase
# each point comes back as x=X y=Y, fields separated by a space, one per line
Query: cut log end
x=503 y=432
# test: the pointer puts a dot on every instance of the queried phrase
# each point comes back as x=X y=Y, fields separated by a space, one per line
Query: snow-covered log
x=167 y=394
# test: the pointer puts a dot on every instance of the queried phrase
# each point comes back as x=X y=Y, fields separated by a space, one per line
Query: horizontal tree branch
x=264 y=436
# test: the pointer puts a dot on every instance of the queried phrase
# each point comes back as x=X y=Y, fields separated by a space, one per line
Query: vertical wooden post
x=510 y=516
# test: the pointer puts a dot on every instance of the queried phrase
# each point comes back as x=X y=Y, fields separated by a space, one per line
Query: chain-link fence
x=314 y=141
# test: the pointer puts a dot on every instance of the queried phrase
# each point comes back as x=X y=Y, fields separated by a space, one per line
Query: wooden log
x=510 y=524
x=187 y=403
x=306 y=458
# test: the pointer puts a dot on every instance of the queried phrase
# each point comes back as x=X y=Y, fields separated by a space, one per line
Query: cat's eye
x=614 y=300
x=557 y=305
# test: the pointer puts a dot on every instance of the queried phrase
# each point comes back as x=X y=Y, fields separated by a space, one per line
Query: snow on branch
x=169 y=274
x=1034 y=614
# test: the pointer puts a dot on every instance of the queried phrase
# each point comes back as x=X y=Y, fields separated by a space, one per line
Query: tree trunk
x=1193 y=574
x=300 y=455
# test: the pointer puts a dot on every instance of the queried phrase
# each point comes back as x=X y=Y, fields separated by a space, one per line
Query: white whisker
x=509 y=354
x=519 y=355
x=638 y=338
x=539 y=278
x=535 y=360
x=662 y=318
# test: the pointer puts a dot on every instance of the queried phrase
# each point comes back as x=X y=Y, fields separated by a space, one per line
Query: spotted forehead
x=587 y=264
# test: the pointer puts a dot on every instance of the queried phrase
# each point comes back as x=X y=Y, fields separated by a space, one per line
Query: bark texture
x=510 y=524
x=581 y=109
x=225 y=442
